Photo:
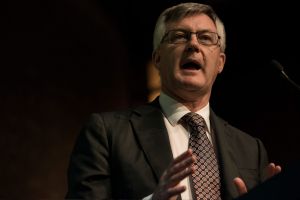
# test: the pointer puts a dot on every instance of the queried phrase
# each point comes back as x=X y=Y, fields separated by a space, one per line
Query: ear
x=156 y=58
x=221 y=63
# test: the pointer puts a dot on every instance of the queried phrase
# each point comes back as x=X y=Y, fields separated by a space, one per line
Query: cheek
x=215 y=70
x=169 y=62
x=215 y=63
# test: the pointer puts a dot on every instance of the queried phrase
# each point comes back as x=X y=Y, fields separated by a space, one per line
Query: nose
x=193 y=44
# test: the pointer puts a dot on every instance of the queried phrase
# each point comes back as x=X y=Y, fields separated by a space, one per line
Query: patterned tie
x=206 y=179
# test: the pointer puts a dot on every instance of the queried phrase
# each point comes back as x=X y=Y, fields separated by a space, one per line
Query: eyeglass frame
x=188 y=35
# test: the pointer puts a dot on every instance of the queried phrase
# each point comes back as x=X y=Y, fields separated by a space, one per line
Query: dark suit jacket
x=121 y=155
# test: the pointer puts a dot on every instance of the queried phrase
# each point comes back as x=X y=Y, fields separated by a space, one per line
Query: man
x=151 y=151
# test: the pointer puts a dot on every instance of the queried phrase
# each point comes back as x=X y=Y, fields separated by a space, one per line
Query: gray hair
x=181 y=11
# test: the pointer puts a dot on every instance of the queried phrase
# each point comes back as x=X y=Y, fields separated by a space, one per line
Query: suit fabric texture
x=122 y=154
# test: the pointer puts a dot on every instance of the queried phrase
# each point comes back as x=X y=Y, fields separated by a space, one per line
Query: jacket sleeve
x=89 y=170
x=263 y=161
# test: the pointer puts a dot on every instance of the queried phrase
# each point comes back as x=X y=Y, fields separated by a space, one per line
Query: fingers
x=240 y=185
x=183 y=156
x=180 y=168
x=277 y=169
x=273 y=169
x=162 y=193
x=174 y=191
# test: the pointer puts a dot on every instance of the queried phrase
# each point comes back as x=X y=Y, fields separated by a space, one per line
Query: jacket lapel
x=228 y=168
x=149 y=127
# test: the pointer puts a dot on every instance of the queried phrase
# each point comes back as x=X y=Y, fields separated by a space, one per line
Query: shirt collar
x=173 y=110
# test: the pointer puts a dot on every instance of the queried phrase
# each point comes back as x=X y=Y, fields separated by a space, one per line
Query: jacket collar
x=152 y=134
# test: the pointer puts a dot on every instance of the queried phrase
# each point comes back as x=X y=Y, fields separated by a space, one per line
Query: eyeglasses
x=180 y=36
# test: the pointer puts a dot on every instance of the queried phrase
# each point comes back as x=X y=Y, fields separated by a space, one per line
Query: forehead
x=193 y=23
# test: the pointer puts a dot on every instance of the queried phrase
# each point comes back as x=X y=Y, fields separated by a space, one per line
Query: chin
x=192 y=87
x=194 y=83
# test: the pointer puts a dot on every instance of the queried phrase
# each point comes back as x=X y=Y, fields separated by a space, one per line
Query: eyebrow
x=188 y=29
x=198 y=31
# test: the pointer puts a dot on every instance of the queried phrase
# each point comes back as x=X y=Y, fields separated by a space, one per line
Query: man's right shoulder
x=124 y=114
x=117 y=114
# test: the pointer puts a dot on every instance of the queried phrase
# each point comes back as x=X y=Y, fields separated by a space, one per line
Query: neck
x=195 y=106
x=191 y=101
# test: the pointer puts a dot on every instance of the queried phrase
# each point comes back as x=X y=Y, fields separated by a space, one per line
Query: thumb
x=240 y=185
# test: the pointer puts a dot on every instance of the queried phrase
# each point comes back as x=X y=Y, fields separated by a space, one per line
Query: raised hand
x=271 y=170
x=180 y=168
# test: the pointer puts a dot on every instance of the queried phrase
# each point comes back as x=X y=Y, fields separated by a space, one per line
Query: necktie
x=206 y=179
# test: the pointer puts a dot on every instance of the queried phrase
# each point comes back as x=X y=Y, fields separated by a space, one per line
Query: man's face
x=189 y=67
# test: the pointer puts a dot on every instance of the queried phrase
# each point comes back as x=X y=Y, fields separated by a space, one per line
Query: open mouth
x=191 y=65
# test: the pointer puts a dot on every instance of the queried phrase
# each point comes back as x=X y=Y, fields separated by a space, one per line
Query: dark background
x=63 y=59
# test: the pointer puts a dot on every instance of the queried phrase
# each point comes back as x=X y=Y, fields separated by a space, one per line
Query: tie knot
x=194 y=120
